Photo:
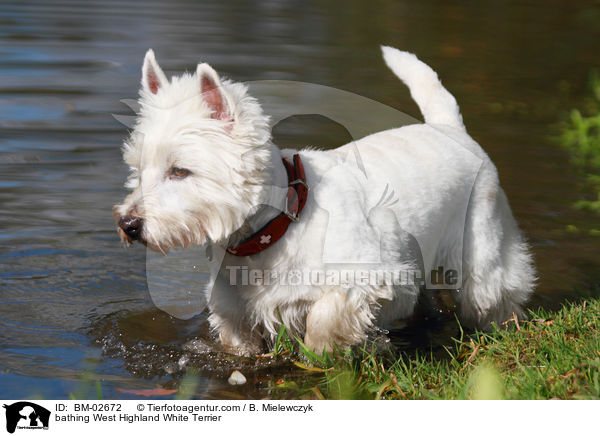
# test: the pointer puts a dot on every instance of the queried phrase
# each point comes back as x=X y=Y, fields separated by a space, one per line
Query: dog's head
x=198 y=156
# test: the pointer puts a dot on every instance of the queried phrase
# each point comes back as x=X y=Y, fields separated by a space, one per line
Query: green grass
x=553 y=355
x=580 y=136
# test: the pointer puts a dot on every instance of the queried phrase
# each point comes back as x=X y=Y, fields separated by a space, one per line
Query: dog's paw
x=244 y=350
x=317 y=343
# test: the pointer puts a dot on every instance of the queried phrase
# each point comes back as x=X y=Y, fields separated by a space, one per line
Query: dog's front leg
x=236 y=337
x=337 y=318
x=228 y=319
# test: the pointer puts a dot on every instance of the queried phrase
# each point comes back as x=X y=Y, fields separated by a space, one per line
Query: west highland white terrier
x=287 y=227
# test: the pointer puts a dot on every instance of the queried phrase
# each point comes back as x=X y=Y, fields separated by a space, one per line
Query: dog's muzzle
x=132 y=226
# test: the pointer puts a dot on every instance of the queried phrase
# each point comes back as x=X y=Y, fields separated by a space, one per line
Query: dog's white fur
x=235 y=170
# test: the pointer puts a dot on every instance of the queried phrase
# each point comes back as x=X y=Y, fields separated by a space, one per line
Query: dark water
x=74 y=306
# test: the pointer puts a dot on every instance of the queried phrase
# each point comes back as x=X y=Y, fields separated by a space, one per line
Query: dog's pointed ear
x=213 y=93
x=153 y=77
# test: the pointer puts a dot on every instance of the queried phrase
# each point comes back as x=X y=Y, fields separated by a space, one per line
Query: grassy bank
x=553 y=355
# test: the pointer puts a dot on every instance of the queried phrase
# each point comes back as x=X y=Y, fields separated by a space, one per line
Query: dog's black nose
x=131 y=225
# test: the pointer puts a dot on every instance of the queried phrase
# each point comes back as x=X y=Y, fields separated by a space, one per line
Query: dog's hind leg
x=498 y=272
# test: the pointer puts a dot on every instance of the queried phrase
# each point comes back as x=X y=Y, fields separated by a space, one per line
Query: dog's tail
x=437 y=105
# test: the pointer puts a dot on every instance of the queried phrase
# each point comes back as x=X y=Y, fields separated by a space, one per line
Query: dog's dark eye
x=179 y=173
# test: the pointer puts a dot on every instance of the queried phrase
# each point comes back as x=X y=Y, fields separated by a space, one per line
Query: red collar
x=275 y=229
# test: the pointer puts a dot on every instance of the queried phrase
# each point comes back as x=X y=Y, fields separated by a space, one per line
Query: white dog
x=203 y=170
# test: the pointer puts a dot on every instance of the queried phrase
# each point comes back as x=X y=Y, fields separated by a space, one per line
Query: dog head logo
x=26 y=415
